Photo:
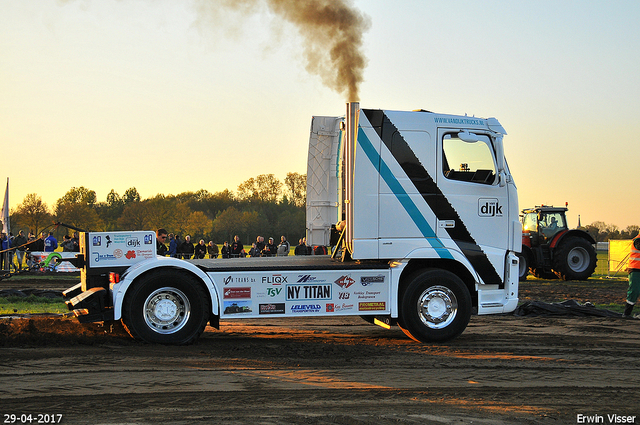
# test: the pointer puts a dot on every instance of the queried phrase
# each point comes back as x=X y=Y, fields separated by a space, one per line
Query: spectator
x=161 y=237
x=254 y=252
x=19 y=243
x=173 y=246
x=50 y=243
x=260 y=243
x=302 y=248
x=236 y=247
x=226 y=251
x=212 y=250
x=270 y=249
x=76 y=242
x=178 y=247
x=38 y=245
x=67 y=244
x=284 y=247
x=187 y=248
x=200 y=250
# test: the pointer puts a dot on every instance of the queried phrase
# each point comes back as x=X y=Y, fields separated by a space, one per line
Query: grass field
x=32 y=305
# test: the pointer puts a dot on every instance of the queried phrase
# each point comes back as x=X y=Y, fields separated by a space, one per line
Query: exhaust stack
x=353 y=112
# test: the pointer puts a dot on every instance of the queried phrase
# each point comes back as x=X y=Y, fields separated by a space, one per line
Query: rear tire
x=575 y=259
x=167 y=307
x=435 y=307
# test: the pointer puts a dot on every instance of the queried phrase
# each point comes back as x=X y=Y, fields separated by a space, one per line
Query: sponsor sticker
x=489 y=207
x=132 y=242
x=272 y=308
x=345 y=281
x=308 y=292
x=372 y=306
x=237 y=307
x=276 y=279
x=235 y=293
x=370 y=280
x=274 y=292
x=231 y=279
x=306 y=308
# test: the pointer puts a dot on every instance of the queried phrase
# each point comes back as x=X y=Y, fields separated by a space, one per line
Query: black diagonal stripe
x=432 y=194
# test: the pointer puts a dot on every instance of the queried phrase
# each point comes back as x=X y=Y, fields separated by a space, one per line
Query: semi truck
x=426 y=211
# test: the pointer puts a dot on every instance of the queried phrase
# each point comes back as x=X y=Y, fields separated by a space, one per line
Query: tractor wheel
x=436 y=306
x=575 y=259
x=523 y=265
x=169 y=307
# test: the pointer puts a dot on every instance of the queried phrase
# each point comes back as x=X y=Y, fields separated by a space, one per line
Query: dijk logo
x=489 y=207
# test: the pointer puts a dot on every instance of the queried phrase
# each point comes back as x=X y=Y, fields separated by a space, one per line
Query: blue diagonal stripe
x=402 y=195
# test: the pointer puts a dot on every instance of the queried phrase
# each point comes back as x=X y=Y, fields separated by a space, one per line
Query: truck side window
x=470 y=162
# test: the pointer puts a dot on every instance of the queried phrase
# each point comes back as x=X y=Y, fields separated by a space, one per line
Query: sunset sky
x=172 y=96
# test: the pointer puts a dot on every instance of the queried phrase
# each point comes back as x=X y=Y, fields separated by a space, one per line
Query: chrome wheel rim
x=166 y=310
x=437 y=307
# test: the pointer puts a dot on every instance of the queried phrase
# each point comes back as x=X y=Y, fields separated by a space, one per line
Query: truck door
x=476 y=216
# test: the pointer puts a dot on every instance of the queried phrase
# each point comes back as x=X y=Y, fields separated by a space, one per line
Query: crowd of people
x=16 y=248
x=186 y=249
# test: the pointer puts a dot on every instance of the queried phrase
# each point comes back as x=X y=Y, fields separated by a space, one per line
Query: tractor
x=550 y=250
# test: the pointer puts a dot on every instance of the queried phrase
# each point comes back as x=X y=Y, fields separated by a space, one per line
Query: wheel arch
x=159 y=265
x=573 y=233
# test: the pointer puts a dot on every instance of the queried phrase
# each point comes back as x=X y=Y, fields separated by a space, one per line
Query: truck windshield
x=467 y=161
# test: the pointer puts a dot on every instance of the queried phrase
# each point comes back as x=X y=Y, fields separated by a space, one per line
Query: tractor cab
x=541 y=224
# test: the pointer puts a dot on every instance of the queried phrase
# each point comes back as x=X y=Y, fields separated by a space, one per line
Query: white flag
x=5 y=211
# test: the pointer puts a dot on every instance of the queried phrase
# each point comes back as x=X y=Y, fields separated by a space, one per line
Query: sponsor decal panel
x=272 y=308
x=372 y=306
x=298 y=292
x=235 y=293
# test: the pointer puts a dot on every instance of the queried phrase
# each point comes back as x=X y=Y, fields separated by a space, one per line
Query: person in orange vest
x=634 y=277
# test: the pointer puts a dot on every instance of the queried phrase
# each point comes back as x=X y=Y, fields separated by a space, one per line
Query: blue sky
x=157 y=95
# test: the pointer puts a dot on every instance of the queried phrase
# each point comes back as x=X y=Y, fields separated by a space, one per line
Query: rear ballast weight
x=430 y=218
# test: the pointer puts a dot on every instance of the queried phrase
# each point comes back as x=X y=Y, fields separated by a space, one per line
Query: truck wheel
x=436 y=306
x=523 y=266
x=575 y=259
x=169 y=307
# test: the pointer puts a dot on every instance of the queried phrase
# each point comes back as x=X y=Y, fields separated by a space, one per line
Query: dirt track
x=502 y=370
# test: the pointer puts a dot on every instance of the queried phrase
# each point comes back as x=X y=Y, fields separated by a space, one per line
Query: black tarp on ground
x=564 y=308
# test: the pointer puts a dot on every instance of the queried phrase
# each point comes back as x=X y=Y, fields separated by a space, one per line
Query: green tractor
x=551 y=250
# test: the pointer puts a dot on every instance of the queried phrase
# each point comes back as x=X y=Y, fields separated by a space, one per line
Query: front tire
x=167 y=307
x=575 y=259
x=523 y=265
x=436 y=306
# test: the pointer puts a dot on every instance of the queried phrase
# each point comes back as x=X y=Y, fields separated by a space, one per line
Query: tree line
x=263 y=205
x=603 y=232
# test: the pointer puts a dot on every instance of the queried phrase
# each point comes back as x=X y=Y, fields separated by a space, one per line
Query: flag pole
x=6 y=228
